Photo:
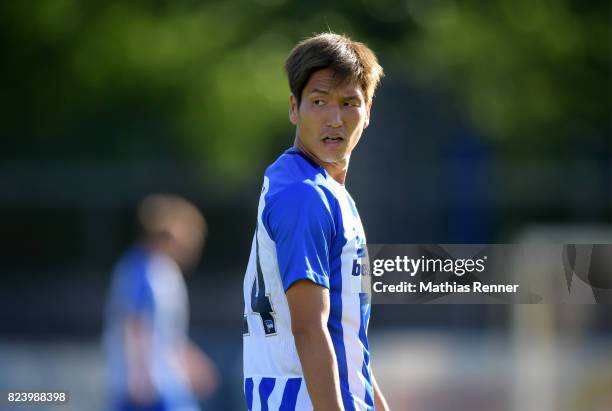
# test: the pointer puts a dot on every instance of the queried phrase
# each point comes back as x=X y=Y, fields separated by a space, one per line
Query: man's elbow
x=308 y=329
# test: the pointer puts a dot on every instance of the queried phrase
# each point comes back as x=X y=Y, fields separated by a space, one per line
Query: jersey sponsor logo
x=360 y=261
x=360 y=270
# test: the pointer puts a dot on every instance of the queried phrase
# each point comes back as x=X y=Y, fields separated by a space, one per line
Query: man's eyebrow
x=349 y=97
x=318 y=90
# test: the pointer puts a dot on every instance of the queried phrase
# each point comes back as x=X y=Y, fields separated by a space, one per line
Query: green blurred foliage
x=203 y=80
x=176 y=74
x=192 y=80
x=528 y=72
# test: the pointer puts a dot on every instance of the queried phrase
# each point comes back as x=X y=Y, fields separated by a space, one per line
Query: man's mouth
x=332 y=138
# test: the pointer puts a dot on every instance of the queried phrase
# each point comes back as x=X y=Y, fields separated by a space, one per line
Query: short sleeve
x=133 y=293
x=139 y=297
x=300 y=222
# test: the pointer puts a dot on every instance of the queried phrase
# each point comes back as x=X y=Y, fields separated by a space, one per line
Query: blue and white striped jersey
x=307 y=228
x=149 y=285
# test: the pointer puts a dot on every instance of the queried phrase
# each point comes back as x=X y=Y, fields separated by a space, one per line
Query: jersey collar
x=297 y=151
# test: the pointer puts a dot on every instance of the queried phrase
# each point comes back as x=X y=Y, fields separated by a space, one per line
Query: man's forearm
x=137 y=334
x=320 y=369
x=380 y=403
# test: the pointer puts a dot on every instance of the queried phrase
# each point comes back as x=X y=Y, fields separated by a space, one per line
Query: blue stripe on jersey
x=365 y=314
x=292 y=388
x=135 y=293
x=265 y=389
x=369 y=392
x=334 y=323
x=337 y=335
x=248 y=392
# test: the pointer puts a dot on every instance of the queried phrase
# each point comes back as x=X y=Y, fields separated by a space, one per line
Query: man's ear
x=293 y=110
x=367 y=119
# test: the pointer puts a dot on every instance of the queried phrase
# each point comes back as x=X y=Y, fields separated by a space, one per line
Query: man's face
x=184 y=242
x=330 y=117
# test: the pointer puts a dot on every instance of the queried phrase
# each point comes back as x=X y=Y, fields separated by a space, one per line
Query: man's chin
x=330 y=156
x=333 y=158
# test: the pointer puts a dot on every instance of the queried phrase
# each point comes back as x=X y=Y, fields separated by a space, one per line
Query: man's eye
x=352 y=103
x=318 y=102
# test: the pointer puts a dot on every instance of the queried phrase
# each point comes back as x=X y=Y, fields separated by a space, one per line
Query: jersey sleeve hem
x=316 y=278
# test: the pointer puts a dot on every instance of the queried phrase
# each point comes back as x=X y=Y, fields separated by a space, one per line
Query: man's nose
x=334 y=116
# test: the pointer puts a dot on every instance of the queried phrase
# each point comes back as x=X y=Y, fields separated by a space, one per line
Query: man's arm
x=201 y=371
x=138 y=346
x=380 y=403
x=309 y=308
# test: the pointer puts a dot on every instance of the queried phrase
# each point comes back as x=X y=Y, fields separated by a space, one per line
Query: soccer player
x=306 y=318
x=152 y=364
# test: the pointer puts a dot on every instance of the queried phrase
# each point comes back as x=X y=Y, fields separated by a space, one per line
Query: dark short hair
x=350 y=60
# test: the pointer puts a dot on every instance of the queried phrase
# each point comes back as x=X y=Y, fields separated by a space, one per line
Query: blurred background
x=493 y=125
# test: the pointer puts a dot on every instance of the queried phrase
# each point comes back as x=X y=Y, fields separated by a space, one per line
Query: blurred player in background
x=152 y=364
x=306 y=315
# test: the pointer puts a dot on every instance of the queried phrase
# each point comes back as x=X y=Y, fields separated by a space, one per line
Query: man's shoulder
x=139 y=263
x=294 y=173
x=292 y=166
x=132 y=261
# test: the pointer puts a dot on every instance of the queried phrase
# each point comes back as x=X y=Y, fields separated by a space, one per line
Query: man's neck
x=337 y=170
